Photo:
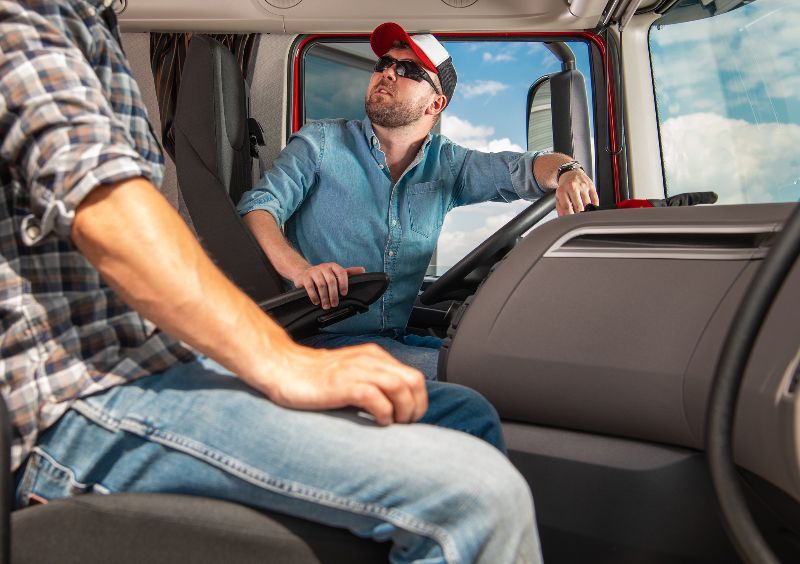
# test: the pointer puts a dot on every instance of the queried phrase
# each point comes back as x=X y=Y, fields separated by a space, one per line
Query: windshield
x=487 y=112
x=728 y=98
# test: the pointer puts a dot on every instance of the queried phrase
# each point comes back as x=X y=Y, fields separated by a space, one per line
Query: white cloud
x=460 y=130
x=482 y=88
x=741 y=161
x=747 y=51
x=498 y=58
x=478 y=137
x=465 y=228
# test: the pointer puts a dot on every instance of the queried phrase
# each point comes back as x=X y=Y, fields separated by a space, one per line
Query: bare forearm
x=286 y=260
x=545 y=169
x=155 y=264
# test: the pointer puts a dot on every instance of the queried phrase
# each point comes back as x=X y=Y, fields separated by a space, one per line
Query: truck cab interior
x=634 y=442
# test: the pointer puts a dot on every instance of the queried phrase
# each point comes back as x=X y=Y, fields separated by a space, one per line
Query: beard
x=391 y=112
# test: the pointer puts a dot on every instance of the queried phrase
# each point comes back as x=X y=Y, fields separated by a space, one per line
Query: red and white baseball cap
x=431 y=53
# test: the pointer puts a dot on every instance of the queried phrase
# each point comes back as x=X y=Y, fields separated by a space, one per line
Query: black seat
x=163 y=528
x=213 y=152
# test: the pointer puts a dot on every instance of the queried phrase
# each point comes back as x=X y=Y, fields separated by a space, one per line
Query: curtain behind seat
x=167 y=53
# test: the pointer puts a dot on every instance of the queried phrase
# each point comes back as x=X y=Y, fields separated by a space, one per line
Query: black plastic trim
x=294 y=311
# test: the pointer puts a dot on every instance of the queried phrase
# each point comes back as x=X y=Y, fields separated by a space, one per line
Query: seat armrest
x=294 y=311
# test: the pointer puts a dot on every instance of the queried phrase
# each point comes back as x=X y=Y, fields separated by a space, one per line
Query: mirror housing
x=562 y=98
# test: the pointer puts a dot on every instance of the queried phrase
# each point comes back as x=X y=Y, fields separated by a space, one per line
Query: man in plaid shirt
x=105 y=297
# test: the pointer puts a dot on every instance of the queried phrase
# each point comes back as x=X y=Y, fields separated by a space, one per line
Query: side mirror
x=539 y=116
x=558 y=111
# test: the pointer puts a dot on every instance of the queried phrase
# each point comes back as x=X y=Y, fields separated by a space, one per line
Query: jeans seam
x=42 y=462
x=260 y=479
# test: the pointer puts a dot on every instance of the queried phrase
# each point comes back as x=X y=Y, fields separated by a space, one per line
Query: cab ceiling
x=309 y=16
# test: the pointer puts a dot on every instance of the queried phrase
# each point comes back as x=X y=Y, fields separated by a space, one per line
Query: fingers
x=419 y=393
x=398 y=394
x=324 y=283
x=563 y=205
x=311 y=289
x=327 y=286
x=401 y=386
x=344 y=273
x=341 y=281
x=321 y=287
x=391 y=399
x=575 y=191
x=369 y=398
x=595 y=199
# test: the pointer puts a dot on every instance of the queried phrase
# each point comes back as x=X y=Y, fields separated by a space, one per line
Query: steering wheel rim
x=501 y=240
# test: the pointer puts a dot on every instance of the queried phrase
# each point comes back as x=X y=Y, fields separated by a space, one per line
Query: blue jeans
x=420 y=352
x=438 y=494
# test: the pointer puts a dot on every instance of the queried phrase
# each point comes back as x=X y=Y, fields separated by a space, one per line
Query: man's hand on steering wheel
x=575 y=191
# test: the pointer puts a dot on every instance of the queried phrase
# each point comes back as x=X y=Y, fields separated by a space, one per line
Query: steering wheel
x=463 y=278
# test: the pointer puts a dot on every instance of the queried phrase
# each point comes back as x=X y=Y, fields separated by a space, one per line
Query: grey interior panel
x=604 y=499
x=625 y=344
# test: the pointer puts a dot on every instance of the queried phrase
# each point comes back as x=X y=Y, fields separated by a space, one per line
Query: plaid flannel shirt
x=71 y=119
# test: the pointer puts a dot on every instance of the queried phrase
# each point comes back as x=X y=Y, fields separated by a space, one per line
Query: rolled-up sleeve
x=293 y=175
x=57 y=129
x=497 y=177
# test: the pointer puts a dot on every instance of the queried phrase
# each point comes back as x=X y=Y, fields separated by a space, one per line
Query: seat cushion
x=166 y=528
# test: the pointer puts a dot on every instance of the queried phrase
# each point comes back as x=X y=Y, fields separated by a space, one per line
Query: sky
x=728 y=94
x=488 y=110
x=488 y=114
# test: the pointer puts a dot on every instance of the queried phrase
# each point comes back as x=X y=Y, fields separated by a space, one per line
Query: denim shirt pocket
x=425 y=207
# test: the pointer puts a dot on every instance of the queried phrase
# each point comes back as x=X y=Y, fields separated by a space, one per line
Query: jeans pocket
x=43 y=478
x=426 y=207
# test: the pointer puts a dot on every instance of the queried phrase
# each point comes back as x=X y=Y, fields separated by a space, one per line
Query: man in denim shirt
x=372 y=194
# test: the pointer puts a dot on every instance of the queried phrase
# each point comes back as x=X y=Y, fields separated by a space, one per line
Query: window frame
x=610 y=162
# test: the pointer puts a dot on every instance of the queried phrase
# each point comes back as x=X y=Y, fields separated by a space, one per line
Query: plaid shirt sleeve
x=71 y=119
x=57 y=125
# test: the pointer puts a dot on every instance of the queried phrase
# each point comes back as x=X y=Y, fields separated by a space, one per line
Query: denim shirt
x=332 y=191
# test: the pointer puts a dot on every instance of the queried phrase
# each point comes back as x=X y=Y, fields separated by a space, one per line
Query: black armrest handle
x=294 y=311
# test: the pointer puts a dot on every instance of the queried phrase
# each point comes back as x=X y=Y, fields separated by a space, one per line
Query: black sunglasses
x=406 y=69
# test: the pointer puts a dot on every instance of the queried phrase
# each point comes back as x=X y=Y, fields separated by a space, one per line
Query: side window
x=488 y=112
x=334 y=80
x=728 y=97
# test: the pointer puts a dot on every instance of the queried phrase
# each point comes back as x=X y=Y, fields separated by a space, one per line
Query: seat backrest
x=213 y=162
